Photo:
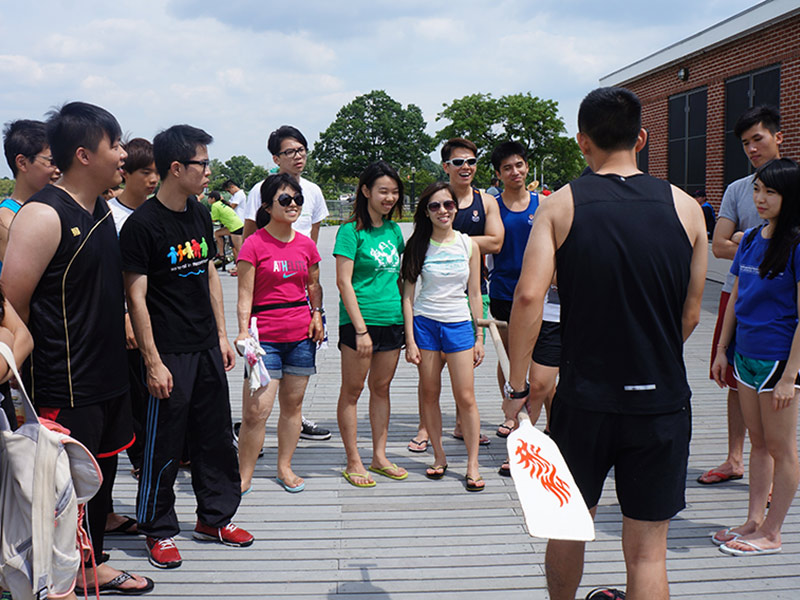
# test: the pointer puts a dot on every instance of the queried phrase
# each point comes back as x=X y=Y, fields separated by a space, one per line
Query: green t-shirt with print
x=376 y=270
x=226 y=215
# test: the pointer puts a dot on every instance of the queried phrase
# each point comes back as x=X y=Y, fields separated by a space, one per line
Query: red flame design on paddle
x=530 y=458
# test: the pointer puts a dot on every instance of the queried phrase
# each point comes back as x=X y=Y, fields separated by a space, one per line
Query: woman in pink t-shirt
x=278 y=275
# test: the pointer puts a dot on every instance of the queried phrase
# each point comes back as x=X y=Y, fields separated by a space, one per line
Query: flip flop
x=720 y=477
x=115 y=587
x=756 y=550
x=482 y=440
x=416 y=445
x=248 y=490
x=503 y=431
x=349 y=478
x=472 y=484
x=124 y=528
x=719 y=542
x=292 y=490
x=435 y=469
x=505 y=469
x=385 y=472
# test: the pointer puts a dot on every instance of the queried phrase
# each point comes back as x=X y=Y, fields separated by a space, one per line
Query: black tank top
x=623 y=275
x=77 y=311
x=472 y=221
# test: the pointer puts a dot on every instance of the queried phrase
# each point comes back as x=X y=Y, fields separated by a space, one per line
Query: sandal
x=503 y=431
x=475 y=485
x=115 y=587
x=435 y=471
x=416 y=445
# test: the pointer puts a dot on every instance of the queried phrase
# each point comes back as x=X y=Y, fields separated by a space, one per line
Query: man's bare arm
x=691 y=216
x=725 y=241
x=159 y=379
x=492 y=239
x=217 y=306
x=32 y=242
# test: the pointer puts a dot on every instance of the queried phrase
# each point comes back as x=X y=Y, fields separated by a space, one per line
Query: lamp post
x=544 y=158
x=413 y=187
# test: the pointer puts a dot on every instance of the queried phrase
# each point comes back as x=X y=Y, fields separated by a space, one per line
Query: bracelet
x=318 y=309
x=362 y=332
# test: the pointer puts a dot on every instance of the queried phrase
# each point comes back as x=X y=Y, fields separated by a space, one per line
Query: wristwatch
x=318 y=309
x=509 y=392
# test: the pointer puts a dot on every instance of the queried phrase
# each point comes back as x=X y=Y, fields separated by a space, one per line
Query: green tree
x=6 y=187
x=530 y=120
x=371 y=127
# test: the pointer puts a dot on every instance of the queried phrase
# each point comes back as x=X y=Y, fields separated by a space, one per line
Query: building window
x=741 y=93
x=686 y=167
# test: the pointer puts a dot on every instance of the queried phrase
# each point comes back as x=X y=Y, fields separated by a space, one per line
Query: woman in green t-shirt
x=367 y=252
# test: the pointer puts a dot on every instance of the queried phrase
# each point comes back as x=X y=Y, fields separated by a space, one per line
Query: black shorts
x=105 y=428
x=547 y=351
x=238 y=231
x=649 y=454
x=384 y=337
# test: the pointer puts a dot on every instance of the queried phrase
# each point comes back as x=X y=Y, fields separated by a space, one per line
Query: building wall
x=779 y=43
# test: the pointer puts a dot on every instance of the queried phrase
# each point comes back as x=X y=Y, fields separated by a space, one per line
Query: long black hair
x=417 y=245
x=269 y=188
x=783 y=176
x=371 y=174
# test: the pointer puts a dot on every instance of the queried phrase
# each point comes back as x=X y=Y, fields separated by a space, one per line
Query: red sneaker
x=230 y=535
x=163 y=553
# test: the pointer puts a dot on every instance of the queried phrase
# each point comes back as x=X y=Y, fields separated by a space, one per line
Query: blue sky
x=239 y=69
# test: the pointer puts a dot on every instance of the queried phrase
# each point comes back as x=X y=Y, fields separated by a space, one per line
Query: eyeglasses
x=292 y=152
x=448 y=206
x=286 y=199
x=47 y=159
x=202 y=163
x=457 y=162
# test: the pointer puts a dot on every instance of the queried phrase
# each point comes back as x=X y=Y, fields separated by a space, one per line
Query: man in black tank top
x=631 y=255
x=63 y=275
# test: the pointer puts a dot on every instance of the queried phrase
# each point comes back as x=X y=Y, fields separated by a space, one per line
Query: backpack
x=43 y=473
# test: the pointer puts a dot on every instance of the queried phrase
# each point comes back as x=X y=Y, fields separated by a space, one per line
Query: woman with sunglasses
x=278 y=275
x=439 y=321
x=367 y=251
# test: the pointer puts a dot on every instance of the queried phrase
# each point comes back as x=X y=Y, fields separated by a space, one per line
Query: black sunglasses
x=286 y=199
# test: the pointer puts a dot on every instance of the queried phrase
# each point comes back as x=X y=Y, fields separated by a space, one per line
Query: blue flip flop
x=292 y=490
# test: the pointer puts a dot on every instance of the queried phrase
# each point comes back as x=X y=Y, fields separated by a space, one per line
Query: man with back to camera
x=761 y=137
x=238 y=199
x=617 y=237
x=62 y=261
x=478 y=217
x=175 y=303
x=289 y=150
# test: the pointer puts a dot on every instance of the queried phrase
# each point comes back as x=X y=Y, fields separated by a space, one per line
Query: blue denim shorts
x=292 y=358
x=443 y=337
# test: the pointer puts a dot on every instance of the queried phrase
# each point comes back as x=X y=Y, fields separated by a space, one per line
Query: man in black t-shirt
x=63 y=275
x=631 y=254
x=175 y=303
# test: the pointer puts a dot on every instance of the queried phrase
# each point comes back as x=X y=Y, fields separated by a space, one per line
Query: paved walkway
x=421 y=539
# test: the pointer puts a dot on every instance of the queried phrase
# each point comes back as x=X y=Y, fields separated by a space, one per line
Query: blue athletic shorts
x=443 y=337
x=760 y=375
x=292 y=358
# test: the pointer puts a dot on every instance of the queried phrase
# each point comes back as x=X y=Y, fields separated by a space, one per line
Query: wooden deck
x=421 y=539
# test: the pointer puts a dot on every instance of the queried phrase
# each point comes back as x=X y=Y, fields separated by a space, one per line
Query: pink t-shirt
x=281 y=276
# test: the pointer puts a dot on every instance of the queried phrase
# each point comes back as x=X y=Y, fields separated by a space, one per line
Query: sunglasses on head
x=286 y=199
x=448 y=205
x=457 y=162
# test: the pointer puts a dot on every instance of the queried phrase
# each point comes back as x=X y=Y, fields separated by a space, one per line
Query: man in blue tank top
x=631 y=254
x=29 y=158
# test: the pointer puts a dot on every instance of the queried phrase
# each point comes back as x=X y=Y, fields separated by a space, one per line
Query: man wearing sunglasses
x=289 y=150
x=175 y=303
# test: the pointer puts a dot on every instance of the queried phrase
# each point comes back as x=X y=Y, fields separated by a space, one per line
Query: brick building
x=693 y=91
